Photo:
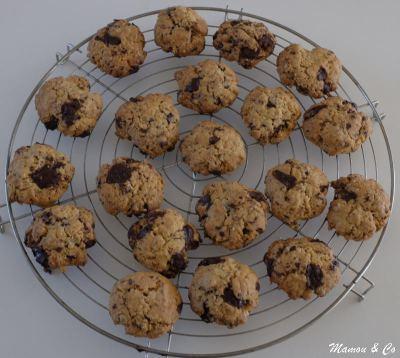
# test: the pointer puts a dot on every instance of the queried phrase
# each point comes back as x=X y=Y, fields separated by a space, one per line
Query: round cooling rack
x=84 y=291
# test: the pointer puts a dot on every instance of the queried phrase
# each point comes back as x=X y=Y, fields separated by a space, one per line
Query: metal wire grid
x=92 y=283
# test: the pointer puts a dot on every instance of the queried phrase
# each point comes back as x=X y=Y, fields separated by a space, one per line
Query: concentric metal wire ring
x=84 y=291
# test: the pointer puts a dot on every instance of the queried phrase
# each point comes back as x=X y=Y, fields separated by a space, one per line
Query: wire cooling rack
x=84 y=291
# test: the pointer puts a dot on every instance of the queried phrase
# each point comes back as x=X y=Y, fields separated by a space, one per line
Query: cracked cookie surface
x=160 y=241
x=302 y=267
x=224 y=291
x=314 y=73
x=180 y=30
x=130 y=187
x=359 y=209
x=60 y=235
x=336 y=126
x=66 y=104
x=118 y=48
x=212 y=148
x=232 y=214
x=146 y=303
x=297 y=191
x=246 y=42
x=271 y=114
x=38 y=175
x=207 y=87
x=151 y=122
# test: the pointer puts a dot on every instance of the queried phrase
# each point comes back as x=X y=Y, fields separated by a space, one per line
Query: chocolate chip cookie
x=270 y=113
x=160 y=241
x=232 y=214
x=297 y=191
x=38 y=175
x=130 y=187
x=66 y=104
x=180 y=30
x=244 y=41
x=359 y=209
x=207 y=87
x=151 y=122
x=145 y=303
x=118 y=48
x=60 y=235
x=302 y=267
x=212 y=148
x=224 y=291
x=336 y=126
x=314 y=73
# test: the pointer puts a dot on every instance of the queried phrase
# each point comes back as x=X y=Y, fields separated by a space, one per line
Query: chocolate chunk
x=134 y=69
x=85 y=134
x=135 y=99
x=345 y=195
x=205 y=200
x=218 y=45
x=256 y=195
x=248 y=53
x=206 y=315
x=258 y=286
x=230 y=298
x=350 y=103
x=311 y=112
x=213 y=139
x=109 y=39
x=211 y=261
x=42 y=258
x=322 y=74
x=47 y=176
x=68 y=111
x=265 y=41
x=314 y=276
x=177 y=264
x=246 y=231
x=47 y=218
x=334 y=265
x=52 y=123
x=292 y=248
x=323 y=188
x=327 y=88
x=235 y=22
x=169 y=118
x=215 y=172
x=119 y=173
x=270 y=265
x=190 y=242
x=90 y=243
x=194 y=85
x=286 y=179
x=270 y=104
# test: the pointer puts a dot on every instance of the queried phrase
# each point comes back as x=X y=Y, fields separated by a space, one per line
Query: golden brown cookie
x=180 y=30
x=118 y=48
x=302 y=267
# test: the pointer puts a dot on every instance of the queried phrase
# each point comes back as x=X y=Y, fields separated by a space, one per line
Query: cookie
x=118 y=48
x=224 y=291
x=60 y=235
x=160 y=241
x=38 y=175
x=336 y=126
x=297 y=191
x=66 y=104
x=151 y=122
x=207 y=87
x=232 y=214
x=212 y=148
x=302 y=267
x=180 y=30
x=314 y=73
x=359 y=209
x=145 y=303
x=130 y=187
x=246 y=42
x=271 y=114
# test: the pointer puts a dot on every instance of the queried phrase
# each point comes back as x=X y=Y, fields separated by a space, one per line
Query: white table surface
x=365 y=34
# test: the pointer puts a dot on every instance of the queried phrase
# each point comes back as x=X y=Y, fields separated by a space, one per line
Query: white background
x=365 y=35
